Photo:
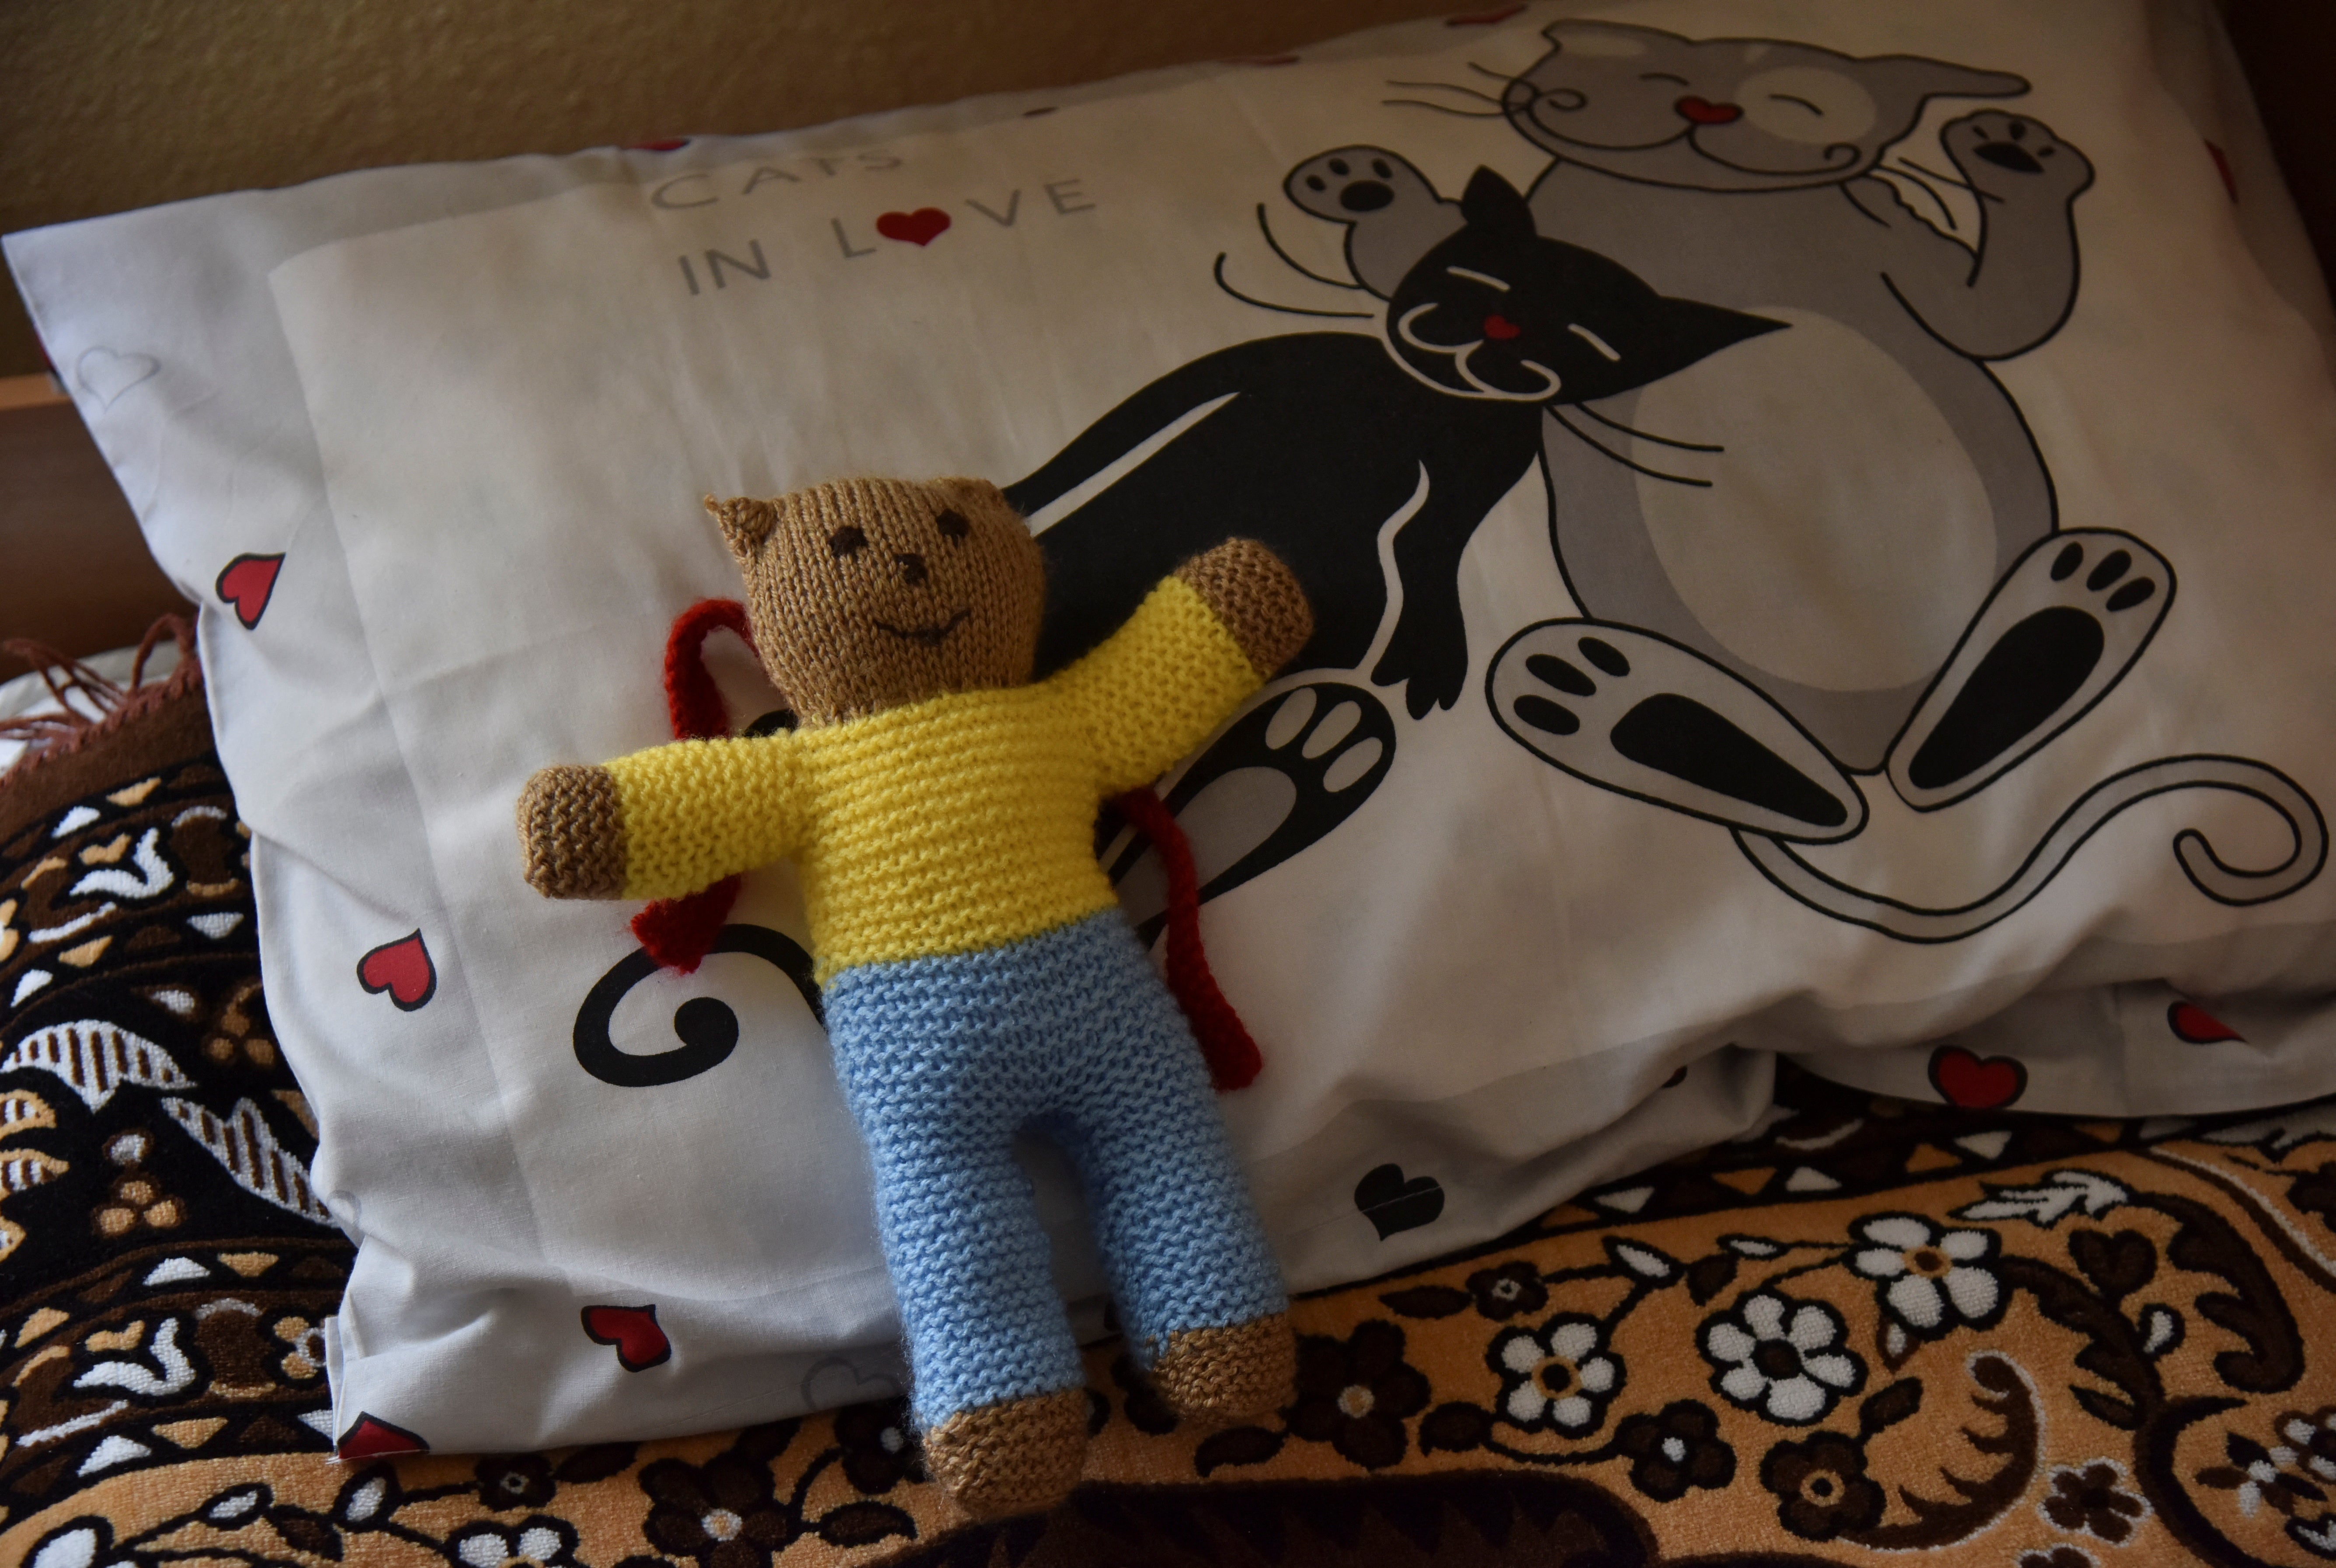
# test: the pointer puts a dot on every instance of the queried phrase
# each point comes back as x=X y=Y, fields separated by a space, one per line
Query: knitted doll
x=977 y=975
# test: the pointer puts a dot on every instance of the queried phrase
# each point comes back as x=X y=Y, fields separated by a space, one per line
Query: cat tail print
x=2213 y=875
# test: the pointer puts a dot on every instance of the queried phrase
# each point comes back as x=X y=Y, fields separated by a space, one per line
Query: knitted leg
x=1199 y=1293
x=935 y=1077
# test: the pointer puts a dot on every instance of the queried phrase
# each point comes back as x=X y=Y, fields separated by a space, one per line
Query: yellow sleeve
x=1157 y=687
x=697 y=810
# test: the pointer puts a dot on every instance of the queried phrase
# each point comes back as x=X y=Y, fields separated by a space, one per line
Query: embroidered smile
x=927 y=636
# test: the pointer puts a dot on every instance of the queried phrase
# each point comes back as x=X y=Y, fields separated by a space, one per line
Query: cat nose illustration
x=1500 y=328
x=1703 y=112
x=912 y=568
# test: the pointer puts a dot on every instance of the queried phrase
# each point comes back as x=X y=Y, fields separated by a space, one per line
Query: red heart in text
x=919 y=227
x=244 y=583
x=403 y=969
x=2195 y=1024
x=372 y=1438
x=633 y=1330
x=1975 y=1083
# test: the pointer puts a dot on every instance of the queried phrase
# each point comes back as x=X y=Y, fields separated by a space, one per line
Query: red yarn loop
x=680 y=932
x=1225 y=1043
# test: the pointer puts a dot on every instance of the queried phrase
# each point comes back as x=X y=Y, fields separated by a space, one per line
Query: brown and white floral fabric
x=1872 y=1327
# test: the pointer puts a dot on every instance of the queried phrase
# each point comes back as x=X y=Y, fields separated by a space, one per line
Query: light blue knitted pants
x=1071 y=1034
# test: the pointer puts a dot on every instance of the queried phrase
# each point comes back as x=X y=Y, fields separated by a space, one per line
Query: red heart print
x=662 y=144
x=1500 y=328
x=921 y=227
x=633 y=1330
x=372 y=1438
x=2195 y=1025
x=244 y=583
x=1976 y=1083
x=403 y=970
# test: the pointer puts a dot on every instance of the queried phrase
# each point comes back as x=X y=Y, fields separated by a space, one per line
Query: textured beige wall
x=110 y=104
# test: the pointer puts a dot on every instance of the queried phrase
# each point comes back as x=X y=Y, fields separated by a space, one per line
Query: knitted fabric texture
x=571 y=823
x=1022 y=1457
x=1218 y=1374
x=868 y=593
x=943 y=1060
x=949 y=825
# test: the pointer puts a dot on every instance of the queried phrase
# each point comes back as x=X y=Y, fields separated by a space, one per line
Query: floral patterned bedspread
x=1869 y=1328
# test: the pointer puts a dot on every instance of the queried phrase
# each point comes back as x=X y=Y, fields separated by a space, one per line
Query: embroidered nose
x=912 y=569
x=1703 y=112
x=1500 y=328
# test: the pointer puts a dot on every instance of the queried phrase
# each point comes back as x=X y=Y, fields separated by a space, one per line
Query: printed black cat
x=1322 y=437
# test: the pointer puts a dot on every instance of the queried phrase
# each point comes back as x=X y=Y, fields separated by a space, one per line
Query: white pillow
x=428 y=443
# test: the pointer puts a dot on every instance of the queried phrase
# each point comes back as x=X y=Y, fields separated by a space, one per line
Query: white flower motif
x=1562 y=1377
x=1931 y=1279
x=1781 y=1357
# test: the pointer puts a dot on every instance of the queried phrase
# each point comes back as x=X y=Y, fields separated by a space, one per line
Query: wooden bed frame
x=75 y=575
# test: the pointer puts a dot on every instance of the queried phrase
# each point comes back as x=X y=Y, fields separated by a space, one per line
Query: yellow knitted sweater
x=950 y=825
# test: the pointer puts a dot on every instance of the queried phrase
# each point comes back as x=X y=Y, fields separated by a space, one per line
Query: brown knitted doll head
x=866 y=594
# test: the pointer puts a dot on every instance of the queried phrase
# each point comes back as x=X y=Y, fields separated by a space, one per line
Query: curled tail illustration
x=2215 y=877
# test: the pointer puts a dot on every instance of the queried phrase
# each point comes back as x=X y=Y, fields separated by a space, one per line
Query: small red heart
x=633 y=1330
x=662 y=144
x=921 y=227
x=1500 y=328
x=403 y=970
x=2194 y=1023
x=1975 y=1083
x=244 y=583
x=372 y=1438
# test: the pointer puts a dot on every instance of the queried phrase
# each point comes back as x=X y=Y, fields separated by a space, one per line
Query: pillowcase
x=1817 y=520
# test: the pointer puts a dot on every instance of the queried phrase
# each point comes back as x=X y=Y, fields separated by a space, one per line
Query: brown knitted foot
x=1214 y=1376
x=1023 y=1456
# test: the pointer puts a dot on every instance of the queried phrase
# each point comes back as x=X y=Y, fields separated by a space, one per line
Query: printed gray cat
x=1830 y=550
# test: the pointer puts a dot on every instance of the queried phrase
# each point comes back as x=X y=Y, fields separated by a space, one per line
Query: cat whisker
x=1605 y=450
x=1905 y=163
x=1946 y=214
x=1908 y=166
x=1284 y=309
x=1465 y=92
x=1501 y=76
x=1266 y=228
x=1440 y=109
x=1616 y=424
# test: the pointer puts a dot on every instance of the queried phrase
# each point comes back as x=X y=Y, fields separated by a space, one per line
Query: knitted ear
x=745 y=523
x=974 y=492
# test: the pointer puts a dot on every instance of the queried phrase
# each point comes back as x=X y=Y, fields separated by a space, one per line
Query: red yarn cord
x=680 y=932
x=1225 y=1043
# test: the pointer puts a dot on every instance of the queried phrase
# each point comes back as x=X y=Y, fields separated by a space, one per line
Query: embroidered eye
x=952 y=523
x=847 y=541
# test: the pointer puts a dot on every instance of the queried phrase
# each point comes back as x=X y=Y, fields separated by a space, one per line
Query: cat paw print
x=1632 y=712
x=1284 y=776
x=2012 y=157
x=2066 y=623
x=1353 y=182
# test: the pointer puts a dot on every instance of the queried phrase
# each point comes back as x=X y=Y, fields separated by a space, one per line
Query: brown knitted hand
x=571 y=826
x=1257 y=598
